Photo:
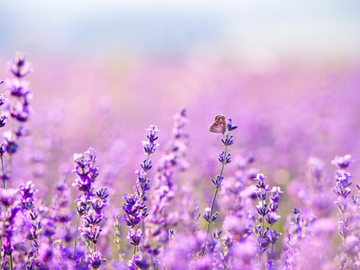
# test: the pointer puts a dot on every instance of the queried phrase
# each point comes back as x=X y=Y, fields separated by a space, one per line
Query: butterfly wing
x=219 y=126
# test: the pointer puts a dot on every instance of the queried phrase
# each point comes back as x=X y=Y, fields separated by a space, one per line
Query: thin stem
x=263 y=228
x=212 y=207
x=143 y=226
x=10 y=165
x=262 y=234
x=77 y=229
x=3 y=170
x=134 y=250
x=272 y=246
x=11 y=262
x=142 y=221
x=119 y=254
x=213 y=202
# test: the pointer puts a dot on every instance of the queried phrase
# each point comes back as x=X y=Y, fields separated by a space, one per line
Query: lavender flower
x=91 y=233
x=135 y=236
x=224 y=159
x=96 y=261
x=135 y=207
x=266 y=212
x=20 y=66
x=342 y=162
x=8 y=197
x=91 y=203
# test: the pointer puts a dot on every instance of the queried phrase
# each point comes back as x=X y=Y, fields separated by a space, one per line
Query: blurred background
x=287 y=72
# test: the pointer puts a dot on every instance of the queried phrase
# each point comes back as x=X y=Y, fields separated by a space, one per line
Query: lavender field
x=92 y=185
x=180 y=139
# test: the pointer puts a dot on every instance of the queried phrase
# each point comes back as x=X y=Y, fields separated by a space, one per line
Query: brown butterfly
x=219 y=126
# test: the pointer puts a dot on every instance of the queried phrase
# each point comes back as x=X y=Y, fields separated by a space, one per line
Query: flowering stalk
x=224 y=158
x=262 y=209
x=117 y=239
x=28 y=202
x=90 y=204
x=8 y=200
x=267 y=212
x=135 y=207
x=172 y=161
x=348 y=210
x=20 y=111
x=18 y=107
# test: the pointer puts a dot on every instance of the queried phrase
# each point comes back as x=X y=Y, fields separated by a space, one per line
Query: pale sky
x=258 y=28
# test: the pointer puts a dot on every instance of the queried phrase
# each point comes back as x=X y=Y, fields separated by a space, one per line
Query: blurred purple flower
x=19 y=66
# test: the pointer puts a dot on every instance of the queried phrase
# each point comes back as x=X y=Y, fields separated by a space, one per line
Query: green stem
x=262 y=233
x=272 y=246
x=120 y=257
x=11 y=262
x=77 y=229
x=213 y=202
x=142 y=221
x=143 y=226
x=10 y=165
x=3 y=170
x=134 y=250
x=211 y=210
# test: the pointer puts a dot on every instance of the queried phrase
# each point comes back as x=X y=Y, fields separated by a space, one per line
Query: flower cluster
x=161 y=227
x=267 y=211
x=90 y=204
x=349 y=216
x=135 y=206
x=224 y=159
x=161 y=221
x=316 y=192
x=18 y=105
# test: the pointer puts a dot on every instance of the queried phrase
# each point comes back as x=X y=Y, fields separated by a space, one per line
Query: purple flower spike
x=8 y=196
x=217 y=181
x=91 y=233
x=207 y=214
x=342 y=162
x=150 y=145
x=96 y=261
x=138 y=262
x=98 y=204
x=6 y=247
x=228 y=140
x=17 y=88
x=270 y=265
x=81 y=160
x=102 y=193
x=3 y=118
x=135 y=237
x=262 y=209
x=2 y=99
x=260 y=178
x=19 y=66
x=146 y=165
x=45 y=253
x=83 y=183
x=224 y=160
x=152 y=133
x=230 y=126
x=11 y=142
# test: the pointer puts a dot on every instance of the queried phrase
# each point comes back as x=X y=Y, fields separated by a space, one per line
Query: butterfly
x=219 y=126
